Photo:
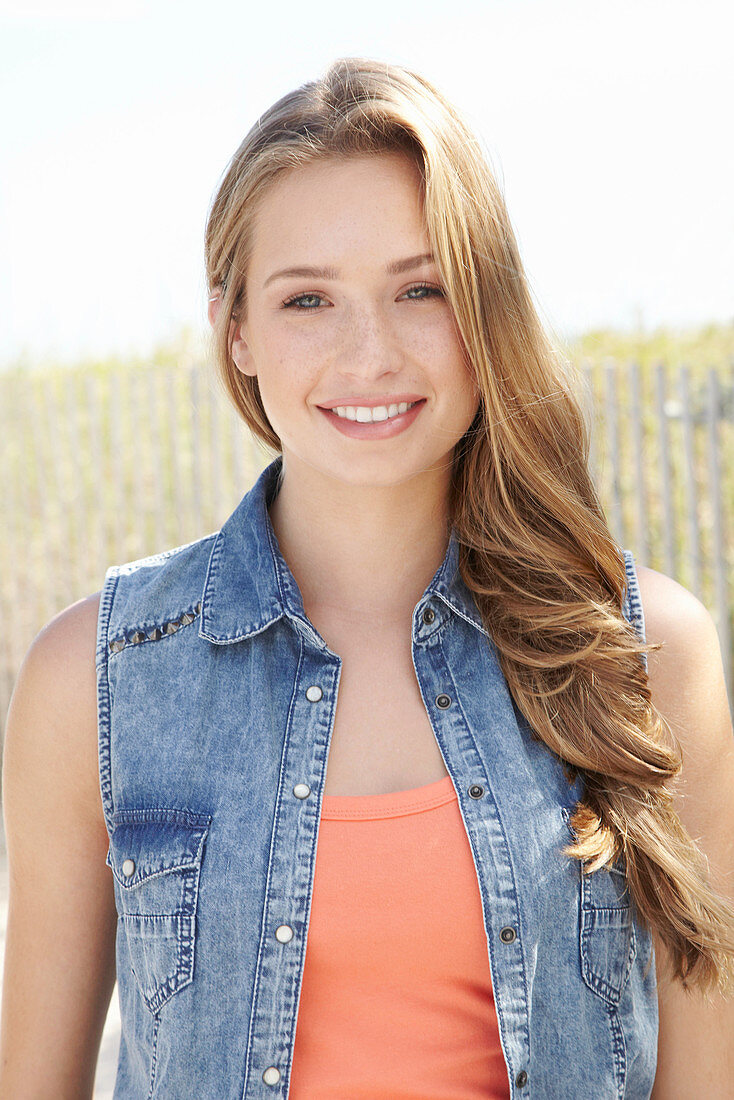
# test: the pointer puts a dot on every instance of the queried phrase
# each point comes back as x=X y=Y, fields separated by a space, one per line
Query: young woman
x=371 y=793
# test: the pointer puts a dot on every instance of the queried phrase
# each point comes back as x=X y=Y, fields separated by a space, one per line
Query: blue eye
x=425 y=286
x=299 y=298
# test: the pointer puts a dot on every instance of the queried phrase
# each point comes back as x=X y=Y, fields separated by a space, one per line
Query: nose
x=372 y=348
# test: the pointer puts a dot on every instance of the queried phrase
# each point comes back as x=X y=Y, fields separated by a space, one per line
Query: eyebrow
x=397 y=267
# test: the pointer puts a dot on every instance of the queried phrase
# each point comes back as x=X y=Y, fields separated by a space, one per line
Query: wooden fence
x=108 y=466
x=663 y=459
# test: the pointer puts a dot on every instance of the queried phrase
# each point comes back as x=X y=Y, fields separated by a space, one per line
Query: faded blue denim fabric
x=216 y=702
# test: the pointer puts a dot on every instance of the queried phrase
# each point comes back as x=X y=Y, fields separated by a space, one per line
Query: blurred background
x=606 y=127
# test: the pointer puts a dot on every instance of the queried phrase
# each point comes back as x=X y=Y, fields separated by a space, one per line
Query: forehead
x=344 y=202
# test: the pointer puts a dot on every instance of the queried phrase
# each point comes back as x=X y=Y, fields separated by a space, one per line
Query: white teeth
x=366 y=414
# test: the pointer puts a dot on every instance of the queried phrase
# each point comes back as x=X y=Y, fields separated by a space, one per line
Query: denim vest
x=216 y=701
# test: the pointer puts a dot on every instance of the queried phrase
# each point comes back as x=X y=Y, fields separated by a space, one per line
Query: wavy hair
x=535 y=547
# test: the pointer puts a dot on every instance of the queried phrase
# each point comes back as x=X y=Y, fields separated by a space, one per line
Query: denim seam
x=182 y=816
x=165 y=869
x=254 y=1004
x=154 y=1059
x=525 y=1030
x=185 y=923
x=462 y=614
x=632 y=603
x=104 y=697
x=125 y=569
x=299 y=967
x=619 y=1050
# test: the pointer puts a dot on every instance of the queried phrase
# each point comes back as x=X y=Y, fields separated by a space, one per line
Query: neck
x=361 y=552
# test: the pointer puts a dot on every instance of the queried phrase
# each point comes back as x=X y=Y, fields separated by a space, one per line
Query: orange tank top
x=396 y=998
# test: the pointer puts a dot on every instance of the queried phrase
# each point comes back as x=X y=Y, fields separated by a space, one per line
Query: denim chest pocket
x=155 y=856
x=607 y=938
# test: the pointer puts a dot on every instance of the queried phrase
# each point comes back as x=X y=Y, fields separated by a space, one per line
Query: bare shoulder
x=59 y=969
x=52 y=717
x=76 y=625
x=687 y=672
x=671 y=611
x=688 y=687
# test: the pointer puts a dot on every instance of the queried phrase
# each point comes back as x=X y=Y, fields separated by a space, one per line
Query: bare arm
x=60 y=950
x=696 y=1037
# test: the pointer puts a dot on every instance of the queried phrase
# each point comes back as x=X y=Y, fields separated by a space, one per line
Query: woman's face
x=345 y=312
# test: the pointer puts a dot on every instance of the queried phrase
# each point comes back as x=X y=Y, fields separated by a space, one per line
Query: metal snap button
x=428 y=616
x=476 y=790
x=128 y=868
x=314 y=693
x=522 y=1079
x=284 y=933
x=271 y=1075
x=301 y=790
x=508 y=934
x=443 y=701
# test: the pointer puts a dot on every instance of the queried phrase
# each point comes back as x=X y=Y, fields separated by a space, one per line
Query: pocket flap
x=145 y=843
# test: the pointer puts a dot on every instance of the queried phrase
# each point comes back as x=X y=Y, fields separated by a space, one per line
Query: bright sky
x=609 y=125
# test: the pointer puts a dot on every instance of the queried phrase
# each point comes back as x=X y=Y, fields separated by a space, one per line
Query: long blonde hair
x=535 y=548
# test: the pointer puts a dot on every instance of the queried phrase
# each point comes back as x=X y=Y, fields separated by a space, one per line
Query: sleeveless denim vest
x=216 y=700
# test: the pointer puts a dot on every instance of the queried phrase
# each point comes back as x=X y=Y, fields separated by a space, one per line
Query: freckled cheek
x=286 y=385
x=446 y=356
x=304 y=356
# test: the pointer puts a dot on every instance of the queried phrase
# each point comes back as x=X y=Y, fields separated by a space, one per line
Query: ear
x=237 y=337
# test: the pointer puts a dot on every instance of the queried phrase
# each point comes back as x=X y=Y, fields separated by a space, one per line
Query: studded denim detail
x=153 y=633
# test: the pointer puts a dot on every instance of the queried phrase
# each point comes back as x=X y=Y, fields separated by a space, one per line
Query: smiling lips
x=373 y=421
x=367 y=414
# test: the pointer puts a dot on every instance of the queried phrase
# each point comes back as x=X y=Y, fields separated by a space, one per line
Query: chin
x=385 y=475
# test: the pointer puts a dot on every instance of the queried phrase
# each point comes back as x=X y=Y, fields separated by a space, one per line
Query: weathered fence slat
x=173 y=423
x=116 y=458
x=139 y=462
x=719 y=552
x=690 y=482
x=612 y=411
x=96 y=525
x=643 y=548
x=587 y=395
x=666 y=487
x=58 y=577
x=196 y=488
x=156 y=455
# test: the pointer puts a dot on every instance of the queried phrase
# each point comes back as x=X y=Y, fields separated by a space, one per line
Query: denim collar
x=249 y=585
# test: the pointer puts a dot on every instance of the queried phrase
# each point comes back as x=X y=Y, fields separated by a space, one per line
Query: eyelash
x=289 y=302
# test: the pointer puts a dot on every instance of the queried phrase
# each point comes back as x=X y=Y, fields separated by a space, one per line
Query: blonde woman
x=371 y=793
